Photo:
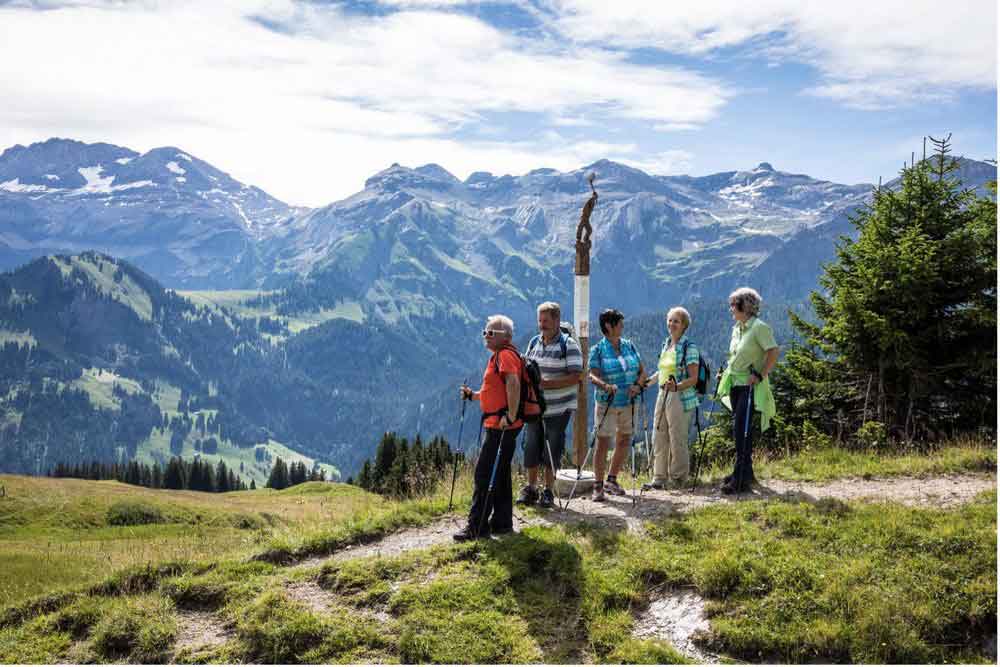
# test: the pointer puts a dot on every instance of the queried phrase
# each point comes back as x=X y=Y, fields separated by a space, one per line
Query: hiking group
x=538 y=392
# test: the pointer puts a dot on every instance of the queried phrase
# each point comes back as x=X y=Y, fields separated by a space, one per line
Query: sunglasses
x=490 y=333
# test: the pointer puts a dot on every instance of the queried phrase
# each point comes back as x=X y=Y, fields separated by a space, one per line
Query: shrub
x=873 y=435
x=131 y=513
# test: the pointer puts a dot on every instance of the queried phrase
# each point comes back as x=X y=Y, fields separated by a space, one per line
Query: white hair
x=685 y=315
x=501 y=323
x=748 y=300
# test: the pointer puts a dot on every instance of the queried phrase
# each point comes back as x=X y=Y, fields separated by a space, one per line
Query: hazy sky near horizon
x=308 y=99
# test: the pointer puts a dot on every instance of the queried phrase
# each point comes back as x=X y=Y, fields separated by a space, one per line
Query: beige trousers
x=670 y=438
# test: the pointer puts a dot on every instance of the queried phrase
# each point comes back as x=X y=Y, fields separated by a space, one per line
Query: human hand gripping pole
x=461 y=425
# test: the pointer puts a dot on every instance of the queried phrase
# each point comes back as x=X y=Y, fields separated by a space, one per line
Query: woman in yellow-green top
x=744 y=385
x=677 y=375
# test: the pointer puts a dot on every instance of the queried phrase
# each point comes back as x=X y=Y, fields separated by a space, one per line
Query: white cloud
x=666 y=163
x=211 y=77
x=869 y=54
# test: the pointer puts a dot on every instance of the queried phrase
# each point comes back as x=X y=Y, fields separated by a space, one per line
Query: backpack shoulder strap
x=563 y=336
x=532 y=343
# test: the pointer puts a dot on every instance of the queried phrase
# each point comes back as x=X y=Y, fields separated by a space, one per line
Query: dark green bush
x=132 y=513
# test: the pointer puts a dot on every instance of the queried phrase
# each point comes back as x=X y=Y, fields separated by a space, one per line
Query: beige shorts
x=619 y=420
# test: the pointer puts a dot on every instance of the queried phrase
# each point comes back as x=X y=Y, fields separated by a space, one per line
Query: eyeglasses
x=490 y=333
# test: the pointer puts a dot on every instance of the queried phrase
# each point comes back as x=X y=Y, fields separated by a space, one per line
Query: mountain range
x=408 y=267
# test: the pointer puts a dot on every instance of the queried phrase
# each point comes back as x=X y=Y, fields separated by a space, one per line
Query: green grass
x=58 y=533
x=822 y=581
x=101 y=273
x=828 y=463
x=236 y=302
x=99 y=385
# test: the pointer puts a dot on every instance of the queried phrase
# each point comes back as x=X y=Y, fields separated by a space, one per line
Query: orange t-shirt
x=493 y=393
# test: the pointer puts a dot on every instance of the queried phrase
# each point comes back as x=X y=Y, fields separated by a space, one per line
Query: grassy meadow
x=104 y=572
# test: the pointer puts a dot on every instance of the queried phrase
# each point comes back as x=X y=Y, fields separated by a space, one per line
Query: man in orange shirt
x=499 y=398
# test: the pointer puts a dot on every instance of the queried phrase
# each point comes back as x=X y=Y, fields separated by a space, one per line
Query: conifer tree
x=907 y=316
x=278 y=478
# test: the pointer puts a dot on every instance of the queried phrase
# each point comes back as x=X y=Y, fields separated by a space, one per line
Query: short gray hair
x=748 y=300
x=501 y=323
x=685 y=315
x=552 y=308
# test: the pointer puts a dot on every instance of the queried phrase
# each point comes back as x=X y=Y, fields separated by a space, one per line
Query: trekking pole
x=552 y=463
x=489 y=487
x=590 y=450
x=746 y=426
x=635 y=476
x=461 y=425
x=646 y=445
x=701 y=447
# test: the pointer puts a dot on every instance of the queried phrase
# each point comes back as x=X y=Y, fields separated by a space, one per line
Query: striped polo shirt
x=552 y=363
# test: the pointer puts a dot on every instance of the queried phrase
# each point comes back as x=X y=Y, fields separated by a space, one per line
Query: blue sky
x=307 y=99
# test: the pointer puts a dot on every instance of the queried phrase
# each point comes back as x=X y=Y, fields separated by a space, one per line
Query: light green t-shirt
x=748 y=346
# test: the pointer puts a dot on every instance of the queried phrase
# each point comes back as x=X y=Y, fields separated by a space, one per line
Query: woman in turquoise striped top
x=616 y=370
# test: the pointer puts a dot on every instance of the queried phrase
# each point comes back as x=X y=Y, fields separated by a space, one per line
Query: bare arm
x=691 y=380
x=513 y=387
x=770 y=359
x=563 y=380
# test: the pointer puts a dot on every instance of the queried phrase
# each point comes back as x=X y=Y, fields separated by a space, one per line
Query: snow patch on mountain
x=239 y=209
x=51 y=177
x=175 y=168
x=95 y=182
x=123 y=160
x=15 y=185
x=185 y=156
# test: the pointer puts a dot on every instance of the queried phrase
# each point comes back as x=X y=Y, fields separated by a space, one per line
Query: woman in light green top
x=744 y=385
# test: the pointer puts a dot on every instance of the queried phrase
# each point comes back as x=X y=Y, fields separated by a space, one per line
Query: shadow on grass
x=545 y=574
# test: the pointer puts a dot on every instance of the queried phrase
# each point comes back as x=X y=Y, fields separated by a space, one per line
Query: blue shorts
x=535 y=452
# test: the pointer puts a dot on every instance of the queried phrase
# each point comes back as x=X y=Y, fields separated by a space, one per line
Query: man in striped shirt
x=561 y=363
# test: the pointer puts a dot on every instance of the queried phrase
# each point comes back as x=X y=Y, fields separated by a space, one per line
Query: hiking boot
x=548 y=500
x=655 y=485
x=730 y=479
x=613 y=488
x=730 y=487
x=469 y=533
x=528 y=496
x=597 y=495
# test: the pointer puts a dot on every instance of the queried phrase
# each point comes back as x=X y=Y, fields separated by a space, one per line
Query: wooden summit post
x=581 y=311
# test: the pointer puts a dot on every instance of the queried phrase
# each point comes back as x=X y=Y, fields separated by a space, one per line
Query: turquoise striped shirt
x=604 y=358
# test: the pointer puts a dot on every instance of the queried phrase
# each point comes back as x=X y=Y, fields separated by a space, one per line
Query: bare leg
x=618 y=458
x=600 y=457
x=550 y=479
x=532 y=476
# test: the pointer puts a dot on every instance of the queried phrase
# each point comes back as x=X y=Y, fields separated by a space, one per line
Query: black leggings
x=499 y=503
